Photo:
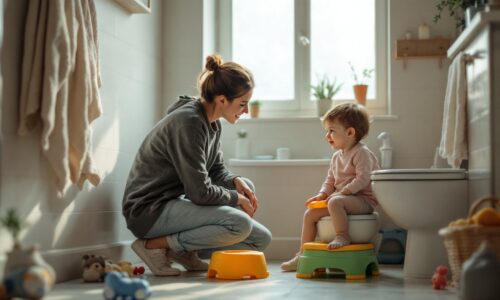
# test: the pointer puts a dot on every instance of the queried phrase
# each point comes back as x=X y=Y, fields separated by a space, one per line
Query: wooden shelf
x=428 y=48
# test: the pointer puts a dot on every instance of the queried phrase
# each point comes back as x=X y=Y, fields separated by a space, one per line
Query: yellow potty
x=237 y=264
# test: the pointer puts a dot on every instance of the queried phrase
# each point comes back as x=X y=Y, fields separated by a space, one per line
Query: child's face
x=339 y=137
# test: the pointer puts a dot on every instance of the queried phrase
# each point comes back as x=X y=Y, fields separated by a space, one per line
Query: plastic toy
x=317 y=204
x=28 y=283
x=439 y=280
x=138 y=271
x=237 y=264
x=355 y=260
x=119 y=286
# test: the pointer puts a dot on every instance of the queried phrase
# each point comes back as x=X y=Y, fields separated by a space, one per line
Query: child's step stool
x=237 y=264
x=355 y=260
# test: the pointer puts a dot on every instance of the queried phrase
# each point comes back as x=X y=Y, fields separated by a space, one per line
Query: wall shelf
x=428 y=48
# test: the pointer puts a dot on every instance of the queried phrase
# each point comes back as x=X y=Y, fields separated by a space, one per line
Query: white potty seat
x=362 y=228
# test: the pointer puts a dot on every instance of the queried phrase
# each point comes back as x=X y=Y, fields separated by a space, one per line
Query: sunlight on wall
x=107 y=148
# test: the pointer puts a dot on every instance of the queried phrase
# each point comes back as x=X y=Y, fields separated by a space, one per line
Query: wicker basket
x=462 y=241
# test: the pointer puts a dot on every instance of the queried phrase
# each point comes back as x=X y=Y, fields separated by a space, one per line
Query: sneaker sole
x=187 y=266
x=138 y=249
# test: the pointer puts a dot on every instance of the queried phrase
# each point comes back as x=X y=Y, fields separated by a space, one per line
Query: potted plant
x=254 y=108
x=324 y=92
x=456 y=9
x=242 y=145
x=360 y=87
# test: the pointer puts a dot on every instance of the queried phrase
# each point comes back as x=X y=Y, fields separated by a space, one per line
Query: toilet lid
x=373 y=216
x=418 y=174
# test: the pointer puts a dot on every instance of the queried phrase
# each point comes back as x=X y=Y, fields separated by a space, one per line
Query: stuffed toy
x=93 y=268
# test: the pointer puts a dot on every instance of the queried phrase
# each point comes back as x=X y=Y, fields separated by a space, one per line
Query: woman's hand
x=318 y=197
x=246 y=205
x=243 y=188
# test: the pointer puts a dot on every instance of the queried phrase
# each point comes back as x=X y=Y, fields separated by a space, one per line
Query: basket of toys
x=463 y=236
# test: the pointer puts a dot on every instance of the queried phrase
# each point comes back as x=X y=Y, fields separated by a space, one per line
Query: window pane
x=263 y=41
x=343 y=31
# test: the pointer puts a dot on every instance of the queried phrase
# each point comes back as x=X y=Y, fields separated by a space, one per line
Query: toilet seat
x=418 y=174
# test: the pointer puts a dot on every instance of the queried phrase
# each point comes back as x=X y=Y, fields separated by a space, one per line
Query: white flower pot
x=323 y=106
x=242 y=148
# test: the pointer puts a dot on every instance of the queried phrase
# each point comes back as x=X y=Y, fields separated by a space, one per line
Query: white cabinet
x=481 y=45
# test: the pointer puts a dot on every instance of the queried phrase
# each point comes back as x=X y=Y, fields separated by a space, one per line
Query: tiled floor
x=390 y=285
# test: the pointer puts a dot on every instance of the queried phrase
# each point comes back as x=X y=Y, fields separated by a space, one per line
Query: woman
x=179 y=198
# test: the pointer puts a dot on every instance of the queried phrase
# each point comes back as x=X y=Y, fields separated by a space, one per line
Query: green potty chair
x=355 y=261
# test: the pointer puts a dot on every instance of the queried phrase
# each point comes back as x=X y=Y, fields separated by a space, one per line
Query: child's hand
x=318 y=197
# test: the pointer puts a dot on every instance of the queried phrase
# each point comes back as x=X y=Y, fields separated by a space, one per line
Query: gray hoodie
x=179 y=157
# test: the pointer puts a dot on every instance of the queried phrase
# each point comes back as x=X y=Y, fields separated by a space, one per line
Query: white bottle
x=385 y=151
x=424 y=32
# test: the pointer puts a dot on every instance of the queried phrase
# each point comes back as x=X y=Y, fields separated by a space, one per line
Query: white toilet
x=362 y=228
x=422 y=201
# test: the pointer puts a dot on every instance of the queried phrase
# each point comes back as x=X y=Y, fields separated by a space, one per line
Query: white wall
x=88 y=221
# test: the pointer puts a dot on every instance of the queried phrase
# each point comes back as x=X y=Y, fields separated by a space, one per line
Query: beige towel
x=60 y=86
x=453 y=146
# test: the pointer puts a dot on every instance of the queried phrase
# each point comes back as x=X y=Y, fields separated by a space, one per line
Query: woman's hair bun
x=213 y=62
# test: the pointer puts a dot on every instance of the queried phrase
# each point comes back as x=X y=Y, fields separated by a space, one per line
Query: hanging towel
x=60 y=86
x=453 y=146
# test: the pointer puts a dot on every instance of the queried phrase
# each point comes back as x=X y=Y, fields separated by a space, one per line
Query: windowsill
x=265 y=119
x=235 y=162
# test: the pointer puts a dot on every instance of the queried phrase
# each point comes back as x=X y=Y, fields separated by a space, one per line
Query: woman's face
x=232 y=110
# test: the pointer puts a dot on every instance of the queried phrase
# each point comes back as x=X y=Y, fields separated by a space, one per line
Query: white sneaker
x=188 y=260
x=155 y=259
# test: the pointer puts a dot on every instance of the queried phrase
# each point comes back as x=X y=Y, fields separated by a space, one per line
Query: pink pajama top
x=351 y=170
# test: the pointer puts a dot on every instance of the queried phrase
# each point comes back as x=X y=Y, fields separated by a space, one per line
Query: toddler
x=347 y=188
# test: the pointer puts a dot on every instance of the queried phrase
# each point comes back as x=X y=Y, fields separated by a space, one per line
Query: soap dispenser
x=385 y=151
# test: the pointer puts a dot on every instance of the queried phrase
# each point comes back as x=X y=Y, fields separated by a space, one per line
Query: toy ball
x=119 y=286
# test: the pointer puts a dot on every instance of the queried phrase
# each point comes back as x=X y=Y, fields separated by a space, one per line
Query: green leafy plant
x=12 y=222
x=326 y=89
x=365 y=75
x=255 y=103
x=456 y=9
x=242 y=133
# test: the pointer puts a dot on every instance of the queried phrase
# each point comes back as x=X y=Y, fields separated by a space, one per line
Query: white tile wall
x=131 y=62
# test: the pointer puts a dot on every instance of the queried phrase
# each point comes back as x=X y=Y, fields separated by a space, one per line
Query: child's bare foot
x=291 y=265
x=338 y=241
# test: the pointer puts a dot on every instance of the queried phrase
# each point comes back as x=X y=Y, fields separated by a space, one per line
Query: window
x=290 y=44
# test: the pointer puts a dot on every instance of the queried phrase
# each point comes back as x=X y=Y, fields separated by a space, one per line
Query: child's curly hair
x=349 y=115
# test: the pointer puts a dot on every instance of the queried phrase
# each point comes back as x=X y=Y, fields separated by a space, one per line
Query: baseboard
x=282 y=248
x=66 y=262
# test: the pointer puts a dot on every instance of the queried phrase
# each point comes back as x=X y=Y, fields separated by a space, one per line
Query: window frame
x=301 y=105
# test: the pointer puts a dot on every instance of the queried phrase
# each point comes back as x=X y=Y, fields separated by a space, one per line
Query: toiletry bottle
x=385 y=151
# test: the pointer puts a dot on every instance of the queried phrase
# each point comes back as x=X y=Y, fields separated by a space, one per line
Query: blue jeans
x=191 y=227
